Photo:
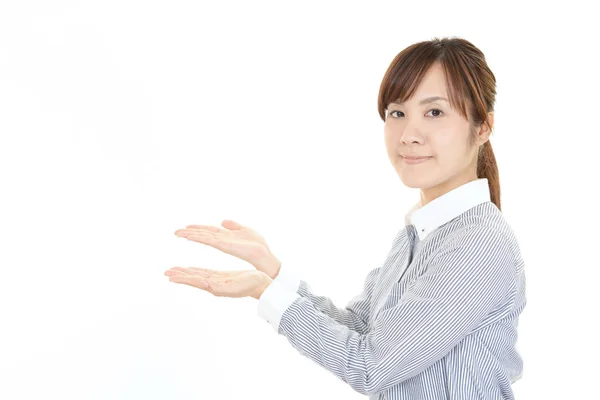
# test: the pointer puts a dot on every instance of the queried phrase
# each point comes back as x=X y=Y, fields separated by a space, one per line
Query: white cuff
x=274 y=301
x=288 y=279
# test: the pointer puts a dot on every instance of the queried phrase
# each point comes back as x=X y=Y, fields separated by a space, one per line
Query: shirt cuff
x=288 y=279
x=274 y=301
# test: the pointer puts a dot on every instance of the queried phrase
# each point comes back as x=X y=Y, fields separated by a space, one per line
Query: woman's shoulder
x=485 y=225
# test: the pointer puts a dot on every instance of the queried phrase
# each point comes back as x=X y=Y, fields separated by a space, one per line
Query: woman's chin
x=414 y=182
x=413 y=185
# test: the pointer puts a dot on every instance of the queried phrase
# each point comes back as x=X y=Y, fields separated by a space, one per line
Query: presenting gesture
x=236 y=240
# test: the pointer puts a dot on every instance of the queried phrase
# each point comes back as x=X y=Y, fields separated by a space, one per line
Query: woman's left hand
x=246 y=283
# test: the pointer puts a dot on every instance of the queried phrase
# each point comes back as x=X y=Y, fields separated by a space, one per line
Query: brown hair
x=471 y=86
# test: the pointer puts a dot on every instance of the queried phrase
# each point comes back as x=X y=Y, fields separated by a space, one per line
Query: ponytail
x=487 y=168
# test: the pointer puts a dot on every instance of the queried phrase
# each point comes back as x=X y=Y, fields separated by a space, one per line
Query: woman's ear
x=485 y=129
x=491 y=120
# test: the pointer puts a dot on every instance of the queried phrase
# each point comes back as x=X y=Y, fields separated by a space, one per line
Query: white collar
x=447 y=207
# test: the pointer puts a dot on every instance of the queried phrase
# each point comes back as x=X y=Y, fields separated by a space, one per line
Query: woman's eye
x=433 y=109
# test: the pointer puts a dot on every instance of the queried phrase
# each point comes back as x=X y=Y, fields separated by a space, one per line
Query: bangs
x=407 y=70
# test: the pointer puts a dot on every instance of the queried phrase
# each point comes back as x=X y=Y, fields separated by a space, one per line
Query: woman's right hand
x=236 y=240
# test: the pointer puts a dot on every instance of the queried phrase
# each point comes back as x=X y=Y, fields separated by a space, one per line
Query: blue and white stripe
x=437 y=320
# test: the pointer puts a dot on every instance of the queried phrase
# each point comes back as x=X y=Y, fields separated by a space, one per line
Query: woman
x=438 y=320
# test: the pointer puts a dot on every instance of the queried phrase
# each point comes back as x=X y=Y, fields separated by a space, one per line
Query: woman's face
x=435 y=130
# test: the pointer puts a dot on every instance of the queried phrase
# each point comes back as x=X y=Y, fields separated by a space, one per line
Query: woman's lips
x=414 y=160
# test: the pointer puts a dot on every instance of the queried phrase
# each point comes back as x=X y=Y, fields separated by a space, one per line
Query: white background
x=122 y=121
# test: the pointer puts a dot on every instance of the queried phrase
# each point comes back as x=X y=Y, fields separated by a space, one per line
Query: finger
x=216 y=240
x=192 y=271
x=221 y=235
x=191 y=280
x=199 y=275
x=172 y=271
x=181 y=269
x=231 y=224
x=208 y=240
x=188 y=232
x=201 y=236
x=186 y=271
x=218 y=273
x=208 y=271
x=171 y=274
x=208 y=228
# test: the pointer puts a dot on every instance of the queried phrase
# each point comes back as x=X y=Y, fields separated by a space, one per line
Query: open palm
x=247 y=283
x=235 y=239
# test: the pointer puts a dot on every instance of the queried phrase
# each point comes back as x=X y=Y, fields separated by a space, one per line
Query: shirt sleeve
x=355 y=315
x=463 y=283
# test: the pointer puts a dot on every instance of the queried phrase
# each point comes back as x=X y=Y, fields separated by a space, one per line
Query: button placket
x=383 y=296
x=411 y=233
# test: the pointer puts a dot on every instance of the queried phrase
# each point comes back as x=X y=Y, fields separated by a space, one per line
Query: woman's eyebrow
x=426 y=100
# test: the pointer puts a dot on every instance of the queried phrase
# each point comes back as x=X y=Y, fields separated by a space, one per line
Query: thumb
x=230 y=224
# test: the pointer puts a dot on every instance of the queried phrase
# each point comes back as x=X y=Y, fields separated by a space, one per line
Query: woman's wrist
x=270 y=265
x=266 y=282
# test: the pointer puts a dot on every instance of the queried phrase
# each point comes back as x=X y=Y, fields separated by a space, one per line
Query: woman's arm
x=465 y=281
x=356 y=313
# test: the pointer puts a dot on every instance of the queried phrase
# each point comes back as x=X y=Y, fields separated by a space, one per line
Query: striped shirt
x=437 y=320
